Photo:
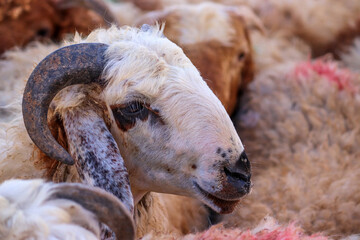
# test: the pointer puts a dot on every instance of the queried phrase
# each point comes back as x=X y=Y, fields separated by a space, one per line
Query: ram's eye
x=127 y=114
x=43 y=32
x=241 y=56
x=133 y=108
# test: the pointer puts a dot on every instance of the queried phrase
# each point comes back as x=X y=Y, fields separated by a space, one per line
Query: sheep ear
x=105 y=206
x=248 y=17
x=90 y=143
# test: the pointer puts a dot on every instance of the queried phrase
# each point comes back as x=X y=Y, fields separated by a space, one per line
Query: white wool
x=209 y=18
x=212 y=23
x=17 y=151
x=274 y=48
x=16 y=67
x=26 y=213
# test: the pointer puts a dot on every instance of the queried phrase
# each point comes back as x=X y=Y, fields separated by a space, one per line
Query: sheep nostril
x=243 y=163
x=237 y=175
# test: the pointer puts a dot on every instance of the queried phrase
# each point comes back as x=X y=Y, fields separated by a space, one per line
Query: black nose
x=239 y=176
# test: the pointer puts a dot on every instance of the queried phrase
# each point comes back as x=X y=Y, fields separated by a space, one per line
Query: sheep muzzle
x=232 y=182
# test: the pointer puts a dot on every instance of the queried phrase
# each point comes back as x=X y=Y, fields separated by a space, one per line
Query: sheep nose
x=239 y=176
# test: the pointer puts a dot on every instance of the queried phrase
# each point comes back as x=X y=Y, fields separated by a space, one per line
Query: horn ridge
x=75 y=64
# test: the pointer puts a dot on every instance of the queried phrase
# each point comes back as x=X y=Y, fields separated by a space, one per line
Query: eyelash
x=132 y=108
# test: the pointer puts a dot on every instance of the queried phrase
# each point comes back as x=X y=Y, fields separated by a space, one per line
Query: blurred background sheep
x=298 y=112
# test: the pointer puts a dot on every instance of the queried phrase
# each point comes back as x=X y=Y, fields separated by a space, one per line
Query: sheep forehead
x=204 y=22
x=145 y=65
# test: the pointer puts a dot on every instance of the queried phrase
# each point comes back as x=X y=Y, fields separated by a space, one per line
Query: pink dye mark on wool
x=291 y=232
x=329 y=70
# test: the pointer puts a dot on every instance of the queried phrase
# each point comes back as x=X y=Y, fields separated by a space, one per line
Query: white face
x=173 y=133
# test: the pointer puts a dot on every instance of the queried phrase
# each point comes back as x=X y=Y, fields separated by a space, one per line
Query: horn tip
x=66 y=159
x=69 y=161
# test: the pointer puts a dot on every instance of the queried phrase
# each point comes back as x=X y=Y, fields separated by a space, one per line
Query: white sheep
x=33 y=209
x=147 y=99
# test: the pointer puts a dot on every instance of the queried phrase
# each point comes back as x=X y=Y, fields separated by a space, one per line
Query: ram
x=137 y=97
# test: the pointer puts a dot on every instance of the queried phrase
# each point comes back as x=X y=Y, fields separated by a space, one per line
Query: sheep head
x=215 y=37
x=172 y=131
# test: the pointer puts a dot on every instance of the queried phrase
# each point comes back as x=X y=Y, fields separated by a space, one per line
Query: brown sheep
x=23 y=21
x=215 y=38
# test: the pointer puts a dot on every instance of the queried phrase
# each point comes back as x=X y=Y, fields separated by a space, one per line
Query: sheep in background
x=24 y=21
x=33 y=209
x=311 y=21
x=226 y=75
x=150 y=95
x=215 y=38
x=300 y=122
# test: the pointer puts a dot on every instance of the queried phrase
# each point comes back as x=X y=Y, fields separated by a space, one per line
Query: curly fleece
x=301 y=125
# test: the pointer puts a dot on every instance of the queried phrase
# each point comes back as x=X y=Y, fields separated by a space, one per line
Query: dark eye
x=241 y=56
x=127 y=114
x=43 y=32
x=133 y=108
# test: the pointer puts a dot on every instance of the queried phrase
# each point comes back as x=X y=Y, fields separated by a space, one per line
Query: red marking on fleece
x=327 y=70
x=290 y=232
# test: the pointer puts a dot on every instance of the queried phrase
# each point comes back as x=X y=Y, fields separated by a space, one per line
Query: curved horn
x=74 y=64
x=104 y=205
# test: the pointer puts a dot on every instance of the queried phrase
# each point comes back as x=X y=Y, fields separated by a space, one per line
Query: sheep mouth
x=219 y=205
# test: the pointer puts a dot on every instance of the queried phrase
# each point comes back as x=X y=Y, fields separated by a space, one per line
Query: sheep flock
x=180 y=119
